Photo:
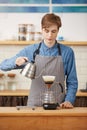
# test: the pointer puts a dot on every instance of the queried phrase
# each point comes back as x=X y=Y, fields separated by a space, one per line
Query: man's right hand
x=21 y=60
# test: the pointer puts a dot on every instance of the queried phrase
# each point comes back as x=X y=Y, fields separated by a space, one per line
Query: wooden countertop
x=40 y=119
x=26 y=111
x=23 y=92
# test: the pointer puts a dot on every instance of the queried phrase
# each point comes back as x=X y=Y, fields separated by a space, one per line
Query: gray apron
x=47 y=65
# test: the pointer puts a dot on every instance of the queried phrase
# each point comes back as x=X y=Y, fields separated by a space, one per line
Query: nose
x=50 y=34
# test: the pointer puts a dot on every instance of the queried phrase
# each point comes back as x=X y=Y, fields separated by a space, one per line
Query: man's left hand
x=66 y=104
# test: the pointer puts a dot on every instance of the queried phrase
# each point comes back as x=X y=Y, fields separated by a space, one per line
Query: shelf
x=22 y=92
x=81 y=94
x=16 y=42
x=70 y=43
x=19 y=92
x=74 y=43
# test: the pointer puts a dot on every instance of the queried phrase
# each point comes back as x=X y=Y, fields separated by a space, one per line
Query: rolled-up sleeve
x=9 y=64
x=71 y=78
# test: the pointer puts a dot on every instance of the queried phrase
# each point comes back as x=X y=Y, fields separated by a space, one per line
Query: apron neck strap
x=36 y=52
x=59 y=49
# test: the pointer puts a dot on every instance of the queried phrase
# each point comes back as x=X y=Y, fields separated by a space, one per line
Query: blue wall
x=42 y=6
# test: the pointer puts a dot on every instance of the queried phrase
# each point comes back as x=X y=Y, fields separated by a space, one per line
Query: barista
x=54 y=59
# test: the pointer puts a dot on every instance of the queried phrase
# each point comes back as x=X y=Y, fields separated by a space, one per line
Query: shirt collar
x=46 y=47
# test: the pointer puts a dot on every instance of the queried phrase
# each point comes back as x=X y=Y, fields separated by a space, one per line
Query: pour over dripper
x=49 y=101
x=48 y=80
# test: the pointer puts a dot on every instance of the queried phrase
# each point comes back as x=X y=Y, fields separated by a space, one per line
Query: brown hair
x=50 y=19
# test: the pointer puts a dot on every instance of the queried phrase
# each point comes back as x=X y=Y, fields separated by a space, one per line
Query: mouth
x=49 y=39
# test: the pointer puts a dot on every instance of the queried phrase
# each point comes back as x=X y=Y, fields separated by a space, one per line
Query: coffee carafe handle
x=61 y=87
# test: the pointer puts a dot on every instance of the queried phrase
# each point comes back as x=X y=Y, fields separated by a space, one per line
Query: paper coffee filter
x=48 y=78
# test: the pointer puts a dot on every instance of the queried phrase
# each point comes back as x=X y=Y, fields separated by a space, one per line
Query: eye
x=46 y=30
x=54 y=31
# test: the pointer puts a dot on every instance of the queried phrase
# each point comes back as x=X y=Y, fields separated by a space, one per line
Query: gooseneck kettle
x=29 y=70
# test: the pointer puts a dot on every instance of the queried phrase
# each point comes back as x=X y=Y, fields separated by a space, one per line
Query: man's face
x=49 y=35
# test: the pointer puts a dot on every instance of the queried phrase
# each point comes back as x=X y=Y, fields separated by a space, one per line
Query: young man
x=54 y=59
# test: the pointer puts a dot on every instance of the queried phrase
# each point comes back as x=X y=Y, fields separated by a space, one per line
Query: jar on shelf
x=30 y=28
x=30 y=36
x=38 y=36
x=2 y=81
x=22 y=28
x=11 y=81
x=22 y=36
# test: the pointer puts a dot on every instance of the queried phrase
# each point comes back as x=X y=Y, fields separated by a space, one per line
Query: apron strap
x=36 y=52
x=59 y=49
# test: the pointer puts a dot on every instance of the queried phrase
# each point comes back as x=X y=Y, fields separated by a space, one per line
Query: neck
x=49 y=44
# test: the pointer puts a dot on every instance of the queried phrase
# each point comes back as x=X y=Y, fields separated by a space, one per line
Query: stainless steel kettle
x=29 y=70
